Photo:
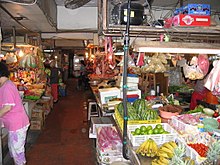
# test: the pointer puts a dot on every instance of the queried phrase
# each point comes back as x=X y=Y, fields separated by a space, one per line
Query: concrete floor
x=64 y=138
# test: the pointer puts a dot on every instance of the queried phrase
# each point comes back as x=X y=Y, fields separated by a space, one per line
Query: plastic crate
x=120 y=120
x=204 y=138
x=137 y=140
x=179 y=125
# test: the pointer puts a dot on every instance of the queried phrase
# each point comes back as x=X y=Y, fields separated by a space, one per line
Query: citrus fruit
x=143 y=128
x=133 y=133
x=159 y=126
x=155 y=131
x=161 y=130
x=150 y=132
x=137 y=131
x=149 y=127
x=142 y=133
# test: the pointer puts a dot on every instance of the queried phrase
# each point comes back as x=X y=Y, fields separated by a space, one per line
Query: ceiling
x=42 y=20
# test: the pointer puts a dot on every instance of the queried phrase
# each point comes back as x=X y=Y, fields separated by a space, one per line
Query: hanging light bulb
x=21 y=53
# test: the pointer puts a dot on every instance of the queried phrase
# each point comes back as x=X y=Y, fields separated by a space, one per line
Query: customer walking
x=83 y=80
x=13 y=116
x=54 y=80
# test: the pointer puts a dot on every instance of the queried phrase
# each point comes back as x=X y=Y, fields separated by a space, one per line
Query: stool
x=90 y=111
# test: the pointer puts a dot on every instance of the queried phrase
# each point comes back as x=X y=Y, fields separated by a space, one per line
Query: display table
x=103 y=110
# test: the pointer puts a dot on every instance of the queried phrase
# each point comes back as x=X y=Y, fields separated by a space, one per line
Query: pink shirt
x=16 y=118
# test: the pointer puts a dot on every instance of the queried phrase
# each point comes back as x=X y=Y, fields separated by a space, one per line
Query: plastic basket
x=137 y=140
x=120 y=120
x=185 y=128
x=204 y=138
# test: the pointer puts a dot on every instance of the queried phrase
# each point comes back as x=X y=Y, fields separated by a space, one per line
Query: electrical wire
x=19 y=3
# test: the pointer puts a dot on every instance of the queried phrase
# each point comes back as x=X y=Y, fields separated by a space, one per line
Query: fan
x=74 y=4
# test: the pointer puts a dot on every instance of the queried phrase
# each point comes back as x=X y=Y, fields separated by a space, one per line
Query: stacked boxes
x=133 y=92
x=39 y=112
x=190 y=15
x=37 y=118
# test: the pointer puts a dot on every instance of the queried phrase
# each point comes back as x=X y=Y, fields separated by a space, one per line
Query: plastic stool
x=90 y=112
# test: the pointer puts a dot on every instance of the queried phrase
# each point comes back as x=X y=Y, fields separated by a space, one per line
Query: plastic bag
x=203 y=63
x=192 y=72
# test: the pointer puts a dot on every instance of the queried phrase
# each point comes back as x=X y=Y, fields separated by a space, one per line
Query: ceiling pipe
x=74 y=4
x=5 y=10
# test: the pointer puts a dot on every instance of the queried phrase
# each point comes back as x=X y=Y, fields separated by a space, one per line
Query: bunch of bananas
x=160 y=161
x=167 y=150
x=148 y=148
x=165 y=153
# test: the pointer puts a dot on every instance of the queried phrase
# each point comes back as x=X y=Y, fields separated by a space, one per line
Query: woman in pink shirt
x=13 y=116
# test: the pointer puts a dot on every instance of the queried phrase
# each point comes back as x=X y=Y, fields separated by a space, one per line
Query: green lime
x=143 y=128
x=150 y=132
x=149 y=127
x=159 y=126
x=165 y=132
x=155 y=131
x=133 y=133
x=142 y=133
x=161 y=130
x=137 y=131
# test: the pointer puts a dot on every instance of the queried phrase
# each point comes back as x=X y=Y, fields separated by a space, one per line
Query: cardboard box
x=38 y=114
x=97 y=122
x=191 y=20
x=107 y=94
x=36 y=124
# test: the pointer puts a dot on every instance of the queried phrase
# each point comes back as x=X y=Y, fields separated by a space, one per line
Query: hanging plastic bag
x=192 y=72
x=203 y=63
x=212 y=81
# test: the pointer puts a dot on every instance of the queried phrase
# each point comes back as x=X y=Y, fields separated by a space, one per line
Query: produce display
x=149 y=130
x=200 y=148
x=165 y=153
x=140 y=110
x=148 y=148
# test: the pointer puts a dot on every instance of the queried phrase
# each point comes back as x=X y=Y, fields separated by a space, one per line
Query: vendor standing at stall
x=200 y=91
x=13 y=116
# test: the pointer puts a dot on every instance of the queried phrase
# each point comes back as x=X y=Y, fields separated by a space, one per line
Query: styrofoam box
x=129 y=79
x=133 y=92
x=137 y=140
x=107 y=94
x=100 y=122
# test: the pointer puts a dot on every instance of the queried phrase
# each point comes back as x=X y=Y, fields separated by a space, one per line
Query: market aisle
x=64 y=140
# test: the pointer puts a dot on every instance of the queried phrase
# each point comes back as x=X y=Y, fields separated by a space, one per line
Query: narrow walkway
x=64 y=139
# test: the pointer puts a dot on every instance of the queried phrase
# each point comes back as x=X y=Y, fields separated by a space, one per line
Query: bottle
x=200 y=125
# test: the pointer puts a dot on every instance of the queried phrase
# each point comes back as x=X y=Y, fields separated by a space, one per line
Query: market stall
x=161 y=127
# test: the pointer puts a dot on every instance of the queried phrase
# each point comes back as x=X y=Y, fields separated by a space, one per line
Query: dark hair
x=82 y=62
x=4 y=72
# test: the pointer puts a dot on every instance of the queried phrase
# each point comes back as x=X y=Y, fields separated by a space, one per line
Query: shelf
x=198 y=34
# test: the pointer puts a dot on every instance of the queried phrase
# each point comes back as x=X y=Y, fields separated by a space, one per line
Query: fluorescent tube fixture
x=171 y=47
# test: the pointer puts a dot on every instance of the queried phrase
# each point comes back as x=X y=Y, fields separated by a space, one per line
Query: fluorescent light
x=176 y=47
x=48 y=50
x=178 y=50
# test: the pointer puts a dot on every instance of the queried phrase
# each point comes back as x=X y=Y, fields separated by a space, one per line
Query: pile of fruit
x=139 y=110
x=169 y=153
x=149 y=130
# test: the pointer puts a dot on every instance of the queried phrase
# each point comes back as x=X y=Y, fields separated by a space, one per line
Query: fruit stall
x=161 y=129
x=28 y=74
x=184 y=139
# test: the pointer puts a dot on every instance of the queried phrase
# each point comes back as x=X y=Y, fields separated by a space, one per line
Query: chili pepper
x=200 y=148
